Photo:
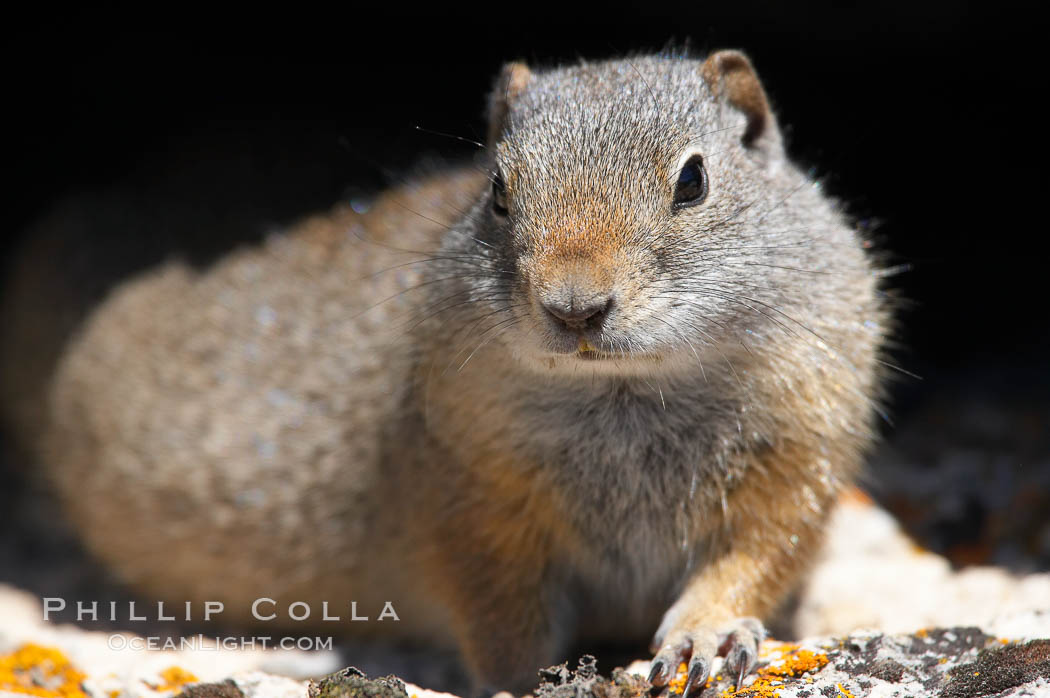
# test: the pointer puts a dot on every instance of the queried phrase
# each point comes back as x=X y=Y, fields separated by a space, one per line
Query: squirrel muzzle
x=575 y=295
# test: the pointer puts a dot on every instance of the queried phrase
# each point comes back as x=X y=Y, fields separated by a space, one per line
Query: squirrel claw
x=697 y=646
x=658 y=673
x=699 y=670
x=738 y=643
x=740 y=648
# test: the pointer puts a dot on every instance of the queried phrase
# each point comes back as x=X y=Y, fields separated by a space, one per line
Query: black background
x=923 y=118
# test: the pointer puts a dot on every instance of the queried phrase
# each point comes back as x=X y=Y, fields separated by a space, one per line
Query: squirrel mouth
x=586 y=350
x=597 y=355
x=589 y=352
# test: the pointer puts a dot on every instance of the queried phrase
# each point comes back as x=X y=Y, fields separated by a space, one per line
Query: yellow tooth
x=586 y=346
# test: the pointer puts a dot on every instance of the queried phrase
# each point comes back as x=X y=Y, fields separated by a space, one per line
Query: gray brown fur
x=274 y=427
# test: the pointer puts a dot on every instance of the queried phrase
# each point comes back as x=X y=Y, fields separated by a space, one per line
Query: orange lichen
x=40 y=671
x=173 y=678
x=844 y=692
x=770 y=679
x=677 y=684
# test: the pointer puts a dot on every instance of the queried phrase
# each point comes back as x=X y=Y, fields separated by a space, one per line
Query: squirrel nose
x=577 y=317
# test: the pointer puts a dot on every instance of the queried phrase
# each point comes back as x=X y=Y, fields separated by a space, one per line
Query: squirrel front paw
x=698 y=644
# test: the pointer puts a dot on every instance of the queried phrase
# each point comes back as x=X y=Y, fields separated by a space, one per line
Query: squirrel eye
x=692 y=184
x=499 y=194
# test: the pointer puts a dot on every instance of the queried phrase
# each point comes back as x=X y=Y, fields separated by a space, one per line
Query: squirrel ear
x=511 y=82
x=730 y=74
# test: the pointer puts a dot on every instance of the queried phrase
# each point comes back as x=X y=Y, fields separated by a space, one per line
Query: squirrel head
x=635 y=206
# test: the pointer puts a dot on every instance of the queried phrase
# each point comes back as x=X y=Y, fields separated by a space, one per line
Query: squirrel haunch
x=608 y=388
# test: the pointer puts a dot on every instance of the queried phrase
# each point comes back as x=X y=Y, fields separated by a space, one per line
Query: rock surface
x=871 y=575
x=948 y=663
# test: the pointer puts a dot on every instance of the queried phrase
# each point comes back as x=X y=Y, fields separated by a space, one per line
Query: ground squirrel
x=606 y=385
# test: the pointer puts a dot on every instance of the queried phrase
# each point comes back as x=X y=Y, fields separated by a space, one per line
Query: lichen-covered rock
x=352 y=683
x=1001 y=668
x=561 y=682
x=934 y=663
